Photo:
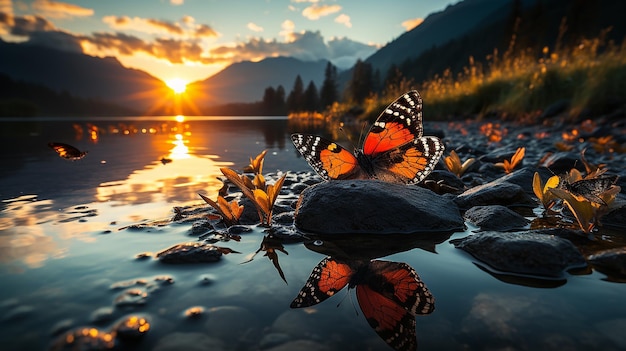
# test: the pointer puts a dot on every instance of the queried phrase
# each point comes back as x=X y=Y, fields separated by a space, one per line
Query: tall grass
x=588 y=76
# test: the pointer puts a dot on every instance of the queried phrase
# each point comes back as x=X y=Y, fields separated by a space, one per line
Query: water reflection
x=177 y=176
x=390 y=294
x=22 y=238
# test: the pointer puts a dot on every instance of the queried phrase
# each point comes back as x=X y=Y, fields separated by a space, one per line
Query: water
x=65 y=262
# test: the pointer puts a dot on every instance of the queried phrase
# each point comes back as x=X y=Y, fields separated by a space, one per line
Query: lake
x=67 y=262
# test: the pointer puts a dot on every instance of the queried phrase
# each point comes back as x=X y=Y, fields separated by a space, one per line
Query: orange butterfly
x=390 y=295
x=394 y=149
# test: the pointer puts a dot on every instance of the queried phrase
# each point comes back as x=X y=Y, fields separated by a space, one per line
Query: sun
x=177 y=85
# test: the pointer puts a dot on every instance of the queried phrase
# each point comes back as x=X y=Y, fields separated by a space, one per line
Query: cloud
x=307 y=46
x=25 y=25
x=287 y=29
x=154 y=26
x=177 y=2
x=412 y=23
x=344 y=19
x=315 y=11
x=254 y=27
x=57 y=9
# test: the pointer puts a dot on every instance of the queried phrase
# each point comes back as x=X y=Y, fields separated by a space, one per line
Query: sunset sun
x=177 y=85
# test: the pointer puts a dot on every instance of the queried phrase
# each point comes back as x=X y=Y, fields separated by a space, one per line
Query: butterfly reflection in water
x=66 y=151
x=390 y=295
x=393 y=150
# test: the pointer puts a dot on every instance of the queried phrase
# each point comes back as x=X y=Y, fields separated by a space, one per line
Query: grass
x=587 y=77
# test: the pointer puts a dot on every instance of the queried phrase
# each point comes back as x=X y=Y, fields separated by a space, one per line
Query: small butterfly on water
x=591 y=189
x=67 y=151
x=390 y=295
x=393 y=150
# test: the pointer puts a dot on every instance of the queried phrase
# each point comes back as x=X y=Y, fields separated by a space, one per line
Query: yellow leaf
x=262 y=200
x=537 y=188
x=583 y=210
x=259 y=182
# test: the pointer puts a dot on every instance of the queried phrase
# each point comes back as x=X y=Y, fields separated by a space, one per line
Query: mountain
x=246 y=81
x=439 y=28
x=81 y=75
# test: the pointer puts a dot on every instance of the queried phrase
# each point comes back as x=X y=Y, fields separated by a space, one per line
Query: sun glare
x=177 y=85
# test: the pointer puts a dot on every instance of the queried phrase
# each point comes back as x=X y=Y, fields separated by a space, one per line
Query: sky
x=191 y=40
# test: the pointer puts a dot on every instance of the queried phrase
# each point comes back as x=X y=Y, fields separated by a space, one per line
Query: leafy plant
x=256 y=164
x=454 y=165
x=543 y=193
x=516 y=159
x=263 y=196
x=230 y=212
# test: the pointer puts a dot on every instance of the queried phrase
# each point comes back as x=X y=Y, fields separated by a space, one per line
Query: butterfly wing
x=327 y=278
x=391 y=322
x=409 y=163
x=398 y=124
x=390 y=296
x=67 y=151
x=394 y=148
x=330 y=160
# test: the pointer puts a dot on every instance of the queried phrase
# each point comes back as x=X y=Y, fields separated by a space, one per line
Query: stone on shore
x=371 y=206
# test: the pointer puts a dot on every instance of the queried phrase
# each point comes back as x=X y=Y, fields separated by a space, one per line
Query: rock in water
x=190 y=253
x=525 y=252
x=372 y=206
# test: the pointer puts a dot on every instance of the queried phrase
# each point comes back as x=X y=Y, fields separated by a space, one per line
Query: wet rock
x=194 y=312
x=239 y=229
x=190 y=253
x=524 y=252
x=371 y=206
x=273 y=340
x=200 y=227
x=610 y=262
x=617 y=217
x=84 y=338
x=495 y=217
x=524 y=177
x=189 y=342
x=285 y=218
x=61 y=326
x=131 y=328
x=131 y=297
x=494 y=193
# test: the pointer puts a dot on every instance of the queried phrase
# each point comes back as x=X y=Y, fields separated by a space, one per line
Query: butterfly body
x=393 y=150
x=390 y=295
x=67 y=151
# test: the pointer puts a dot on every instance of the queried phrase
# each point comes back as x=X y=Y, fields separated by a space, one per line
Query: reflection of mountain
x=81 y=75
x=390 y=295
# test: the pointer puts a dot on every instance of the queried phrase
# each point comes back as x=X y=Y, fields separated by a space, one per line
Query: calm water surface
x=65 y=263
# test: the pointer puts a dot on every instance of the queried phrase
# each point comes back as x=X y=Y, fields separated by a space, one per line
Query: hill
x=246 y=81
x=81 y=75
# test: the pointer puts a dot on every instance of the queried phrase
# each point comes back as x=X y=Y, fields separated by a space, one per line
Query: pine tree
x=328 y=92
x=361 y=84
x=311 y=98
x=296 y=96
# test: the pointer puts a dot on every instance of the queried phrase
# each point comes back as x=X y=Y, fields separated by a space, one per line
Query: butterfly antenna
x=348 y=137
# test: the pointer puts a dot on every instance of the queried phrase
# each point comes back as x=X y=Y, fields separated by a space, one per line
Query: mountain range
x=444 y=39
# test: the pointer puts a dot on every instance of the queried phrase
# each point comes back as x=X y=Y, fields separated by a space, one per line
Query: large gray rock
x=496 y=217
x=494 y=193
x=371 y=206
x=525 y=252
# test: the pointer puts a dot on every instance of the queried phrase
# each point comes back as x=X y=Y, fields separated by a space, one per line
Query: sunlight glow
x=177 y=85
x=180 y=118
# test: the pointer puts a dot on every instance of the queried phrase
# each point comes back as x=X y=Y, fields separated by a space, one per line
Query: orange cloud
x=154 y=26
x=255 y=27
x=315 y=11
x=344 y=19
x=412 y=23
x=57 y=9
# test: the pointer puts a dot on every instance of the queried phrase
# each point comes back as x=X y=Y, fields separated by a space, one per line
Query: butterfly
x=66 y=151
x=393 y=150
x=390 y=295
x=591 y=189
